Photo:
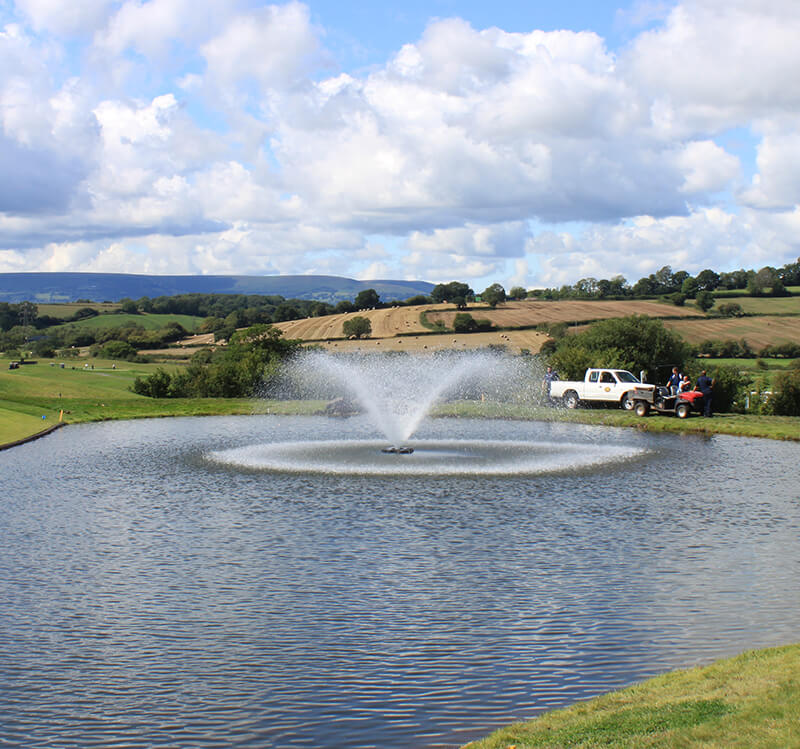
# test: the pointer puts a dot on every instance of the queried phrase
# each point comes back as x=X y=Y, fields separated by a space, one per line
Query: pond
x=165 y=584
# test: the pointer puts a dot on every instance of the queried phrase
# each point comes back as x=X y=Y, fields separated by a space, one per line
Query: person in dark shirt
x=706 y=386
x=674 y=381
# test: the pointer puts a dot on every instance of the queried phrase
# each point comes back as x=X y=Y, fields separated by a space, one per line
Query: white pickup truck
x=602 y=385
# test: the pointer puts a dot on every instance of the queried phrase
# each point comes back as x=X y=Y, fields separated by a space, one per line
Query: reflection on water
x=152 y=596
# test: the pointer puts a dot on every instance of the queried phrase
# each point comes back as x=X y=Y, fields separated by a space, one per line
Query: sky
x=527 y=143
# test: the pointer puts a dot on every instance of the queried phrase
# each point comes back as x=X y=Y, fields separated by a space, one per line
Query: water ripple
x=152 y=597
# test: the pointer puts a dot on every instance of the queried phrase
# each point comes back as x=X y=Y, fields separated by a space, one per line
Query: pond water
x=162 y=585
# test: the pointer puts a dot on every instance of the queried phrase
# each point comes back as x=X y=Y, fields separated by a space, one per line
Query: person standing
x=550 y=376
x=674 y=382
x=706 y=386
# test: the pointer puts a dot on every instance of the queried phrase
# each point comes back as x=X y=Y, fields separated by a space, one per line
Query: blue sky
x=522 y=143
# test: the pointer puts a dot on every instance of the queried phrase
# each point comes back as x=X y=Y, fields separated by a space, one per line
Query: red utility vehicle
x=660 y=401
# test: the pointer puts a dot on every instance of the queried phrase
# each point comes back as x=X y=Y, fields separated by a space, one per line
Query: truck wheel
x=682 y=410
x=642 y=408
x=627 y=402
x=571 y=399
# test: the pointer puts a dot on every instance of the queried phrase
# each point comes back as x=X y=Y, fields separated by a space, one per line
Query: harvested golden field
x=528 y=313
x=513 y=340
x=385 y=323
x=757 y=331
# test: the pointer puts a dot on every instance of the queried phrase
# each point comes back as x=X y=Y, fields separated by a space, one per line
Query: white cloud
x=211 y=137
x=777 y=184
x=709 y=238
x=59 y=17
x=707 y=167
x=273 y=46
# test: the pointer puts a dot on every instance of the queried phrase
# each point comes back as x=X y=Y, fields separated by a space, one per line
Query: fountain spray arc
x=395 y=393
x=399 y=391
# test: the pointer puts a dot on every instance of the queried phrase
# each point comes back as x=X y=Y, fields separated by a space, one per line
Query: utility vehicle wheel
x=571 y=399
x=627 y=402
x=682 y=410
x=642 y=408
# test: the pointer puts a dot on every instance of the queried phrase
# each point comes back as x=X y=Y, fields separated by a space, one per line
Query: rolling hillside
x=100 y=287
x=401 y=329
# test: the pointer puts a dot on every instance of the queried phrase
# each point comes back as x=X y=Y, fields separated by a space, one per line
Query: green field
x=750 y=702
x=148 y=322
x=102 y=393
x=759 y=305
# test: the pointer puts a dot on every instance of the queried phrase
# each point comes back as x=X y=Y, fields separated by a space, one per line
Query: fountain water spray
x=399 y=391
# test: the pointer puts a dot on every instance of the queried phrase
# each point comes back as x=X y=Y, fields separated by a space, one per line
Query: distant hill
x=100 y=287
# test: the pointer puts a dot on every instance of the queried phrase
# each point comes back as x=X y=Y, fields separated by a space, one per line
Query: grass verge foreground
x=751 y=701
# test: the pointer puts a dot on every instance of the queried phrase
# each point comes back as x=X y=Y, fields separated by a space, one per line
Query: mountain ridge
x=53 y=287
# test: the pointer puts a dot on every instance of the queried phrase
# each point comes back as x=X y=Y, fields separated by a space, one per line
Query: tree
x=517 y=292
x=119 y=350
x=786 y=399
x=634 y=343
x=704 y=300
x=128 y=306
x=357 y=327
x=454 y=292
x=344 y=306
x=690 y=287
x=367 y=299
x=707 y=280
x=494 y=295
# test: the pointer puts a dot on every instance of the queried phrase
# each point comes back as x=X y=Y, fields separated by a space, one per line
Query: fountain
x=394 y=394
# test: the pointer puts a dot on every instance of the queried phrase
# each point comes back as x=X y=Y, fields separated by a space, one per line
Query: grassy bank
x=740 y=425
x=751 y=701
x=86 y=394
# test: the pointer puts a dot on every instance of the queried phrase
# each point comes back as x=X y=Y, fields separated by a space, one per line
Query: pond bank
x=738 y=425
x=751 y=700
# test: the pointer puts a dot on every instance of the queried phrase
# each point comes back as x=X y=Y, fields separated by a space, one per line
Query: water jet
x=390 y=396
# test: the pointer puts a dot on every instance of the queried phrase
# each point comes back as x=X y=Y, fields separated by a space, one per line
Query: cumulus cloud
x=59 y=17
x=219 y=137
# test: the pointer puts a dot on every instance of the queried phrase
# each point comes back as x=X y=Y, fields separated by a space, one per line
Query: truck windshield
x=624 y=376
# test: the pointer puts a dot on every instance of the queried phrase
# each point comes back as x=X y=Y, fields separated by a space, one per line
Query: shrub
x=730 y=388
x=785 y=399
x=704 y=300
x=358 y=327
x=730 y=309
x=463 y=322
x=119 y=350
x=678 y=298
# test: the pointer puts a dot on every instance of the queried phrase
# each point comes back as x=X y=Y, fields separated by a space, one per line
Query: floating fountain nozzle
x=398 y=450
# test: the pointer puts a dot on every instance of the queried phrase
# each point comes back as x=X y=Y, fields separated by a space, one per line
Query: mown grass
x=759 y=305
x=751 y=701
x=18 y=422
x=103 y=393
x=148 y=322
